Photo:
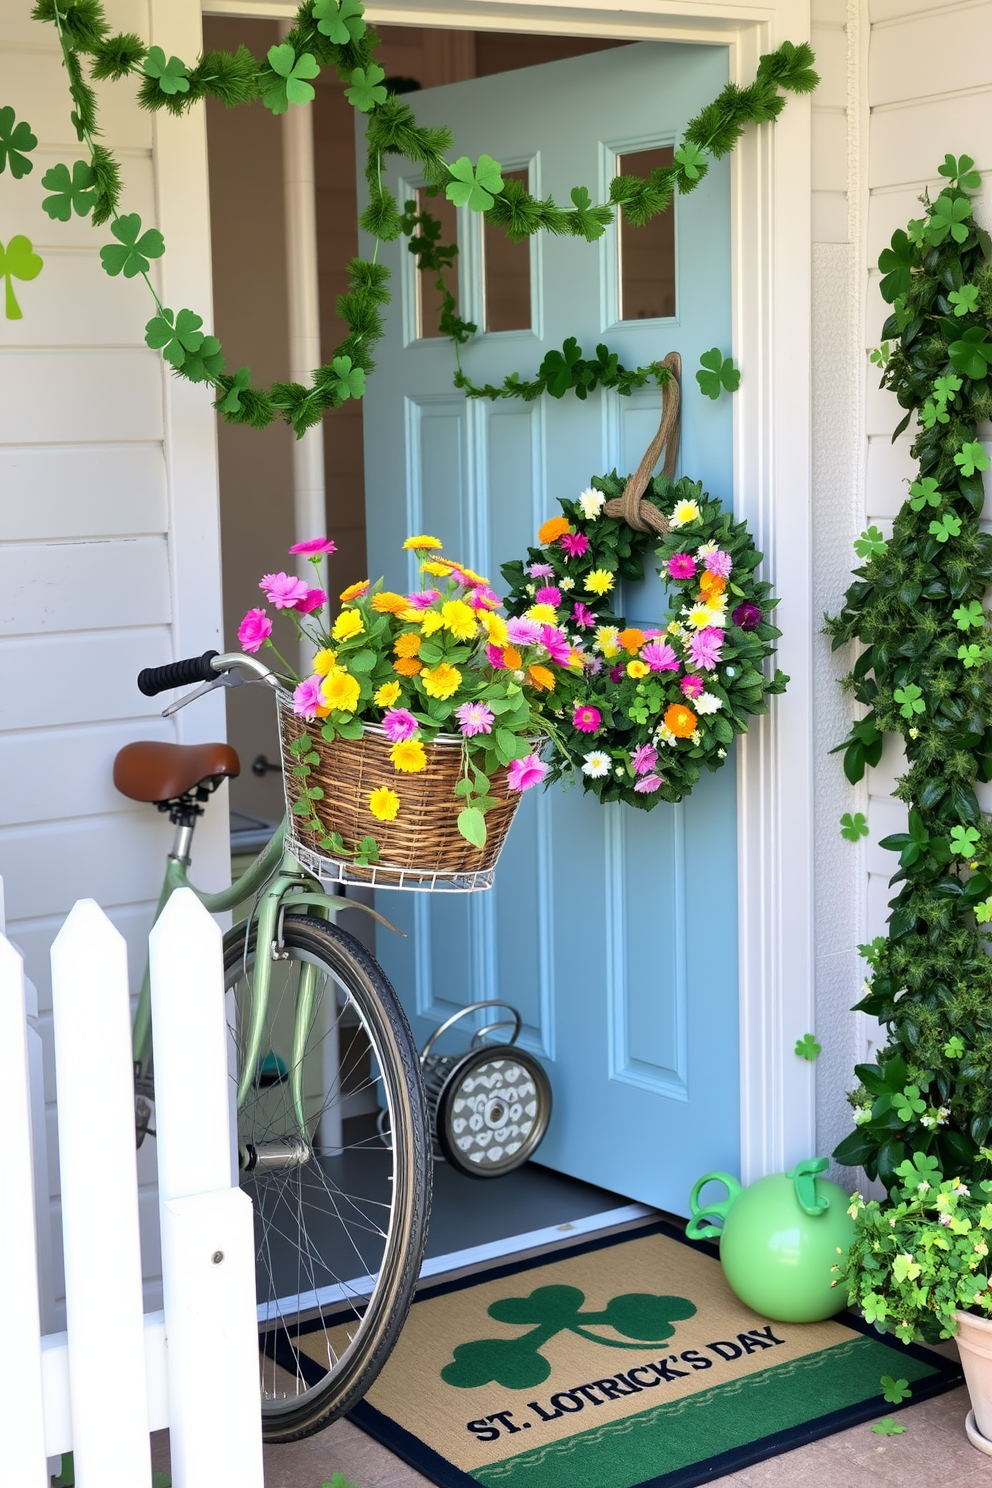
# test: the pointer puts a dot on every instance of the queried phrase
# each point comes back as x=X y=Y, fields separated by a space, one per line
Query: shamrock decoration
x=922 y=1171
x=17 y=261
x=895 y=1390
x=973 y=353
x=910 y=699
x=870 y=544
x=888 y=1427
x=340 y=23
x=961 y=171
x=896 y=264
x=880 y=356
x=964 y=841
x=971 y=457
x=717 y=373
x=924 y=493
x=339 y=1480
x=807 y=1047
x=366 y=88
x=288 y=84
x=973 y=656
x=231 y=402
x=954 y=1047
x=592 y=220
x=175 y=335
x=350 y=380
x=557 y=367
x=206 y=363
x=692 y=160
x=73 y=193
x=965 y=299
x=135 y=249
x=15 y=141
x=172 y=76
x=948 y=216
x=907 y=1103
x=853 y=828
x=475 y=186
x=949 y=525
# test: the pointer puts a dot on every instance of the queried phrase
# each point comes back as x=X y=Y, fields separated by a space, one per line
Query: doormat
x=624 y=1362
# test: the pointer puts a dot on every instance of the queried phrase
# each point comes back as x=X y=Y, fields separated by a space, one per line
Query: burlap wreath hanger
x=642 y=515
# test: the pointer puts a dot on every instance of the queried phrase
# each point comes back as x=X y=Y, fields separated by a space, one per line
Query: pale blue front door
x=613 y=931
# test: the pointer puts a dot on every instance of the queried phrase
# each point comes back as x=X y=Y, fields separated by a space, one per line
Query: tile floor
x=933 y=1452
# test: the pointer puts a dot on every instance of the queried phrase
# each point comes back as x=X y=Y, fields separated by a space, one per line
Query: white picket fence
x=116 y=1374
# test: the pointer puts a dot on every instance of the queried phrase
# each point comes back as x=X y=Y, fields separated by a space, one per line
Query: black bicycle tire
x=353 y=964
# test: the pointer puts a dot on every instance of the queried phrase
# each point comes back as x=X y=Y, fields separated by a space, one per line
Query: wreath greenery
x=650 y=709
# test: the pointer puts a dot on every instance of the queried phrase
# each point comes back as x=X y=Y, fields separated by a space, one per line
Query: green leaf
x=972 y=354
x=172 y=76
x=961 y=171
x=231 y=402
x=871 y=544
x=17 y=261
x=807 y=1047
x=340 y=23
x=693 y=161
x=717 y=373
x=475 y=186
x=970 y=458
x=15 y=141
x=472 y=826
x=948 y=216
x=922 y=1170
x=558 y=367
x=206 y=363
x=896 y=265
x=895 y=1390
x=288 y=84
x=965 y=299
x=366 y=90
x=133 y=248
x=350 y=381
x=852 y=828
x=174 y=335
x=72 y=192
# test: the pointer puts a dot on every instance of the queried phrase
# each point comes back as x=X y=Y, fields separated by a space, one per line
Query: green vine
x=917 y=609
x=331 y=34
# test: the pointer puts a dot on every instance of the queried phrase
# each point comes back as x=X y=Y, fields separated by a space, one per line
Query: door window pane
x=507 y=274
x=647 y=254
x=429 y=298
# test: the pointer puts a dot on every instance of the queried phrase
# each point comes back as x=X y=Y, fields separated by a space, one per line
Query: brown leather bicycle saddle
x=150 y=771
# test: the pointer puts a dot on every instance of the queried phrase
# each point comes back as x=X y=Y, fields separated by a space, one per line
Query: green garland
x=329 y=34
x=916 y=607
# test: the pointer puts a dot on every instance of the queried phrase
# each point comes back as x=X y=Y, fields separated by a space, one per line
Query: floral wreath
x=650 y=709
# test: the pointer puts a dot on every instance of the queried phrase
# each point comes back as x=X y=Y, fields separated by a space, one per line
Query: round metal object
x=492 y=1107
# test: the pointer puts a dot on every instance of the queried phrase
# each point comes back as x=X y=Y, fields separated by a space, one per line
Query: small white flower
x=592 y=503
x=706 y=549
x=959 y=1188
x=721 y=754
x=865 y=987
x=695 y=736
x=531 y=589
x=928 y=1121
x=518 y=676
x=914 y=733
x=942 y=1115
x=664 y=735
x=923 y=1187
x=619 y=770
x=945 y=1219
x=596 y=764
x=566 y=584
x=861 y=1115
x=707 y=702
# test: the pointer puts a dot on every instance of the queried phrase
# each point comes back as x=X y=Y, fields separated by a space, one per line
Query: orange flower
x=552 y=529
x=408 y=666
x=512 y=658
x=711 y=585
x=355 y=591
x=388 y=603
x=680 y=721
x=407 y=644
x=541 y=677
x=631 y=640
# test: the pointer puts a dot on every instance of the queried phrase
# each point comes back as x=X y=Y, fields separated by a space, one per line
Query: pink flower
x=307 y=698
x=255 y=628
x=648 y=783
x=494 y=656
x=521 y=774
x=705 y=647
x=398 y=724
x=660 y=657
x=616 y=673
x=314 y=599
x=475 y=718
x=523 y=632
x=719 y=563
x=682 y=566
x=692 y=686
x=541 y=571
x=592 y=664
x=283 y=589
x=583 y=616
x=573 y=544
x=586 y=718
x=424 y=598
x=482 y=598
x=314 y=545
x=644 y=759
x=556 y=645
x=549 y=595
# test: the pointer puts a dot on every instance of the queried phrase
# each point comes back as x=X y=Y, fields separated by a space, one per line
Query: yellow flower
x=424 y=541
x=543 y=614
x=495 y=627
x=541 y=677
x=552 y=529
x=439 y=570
x=387 y=694
x=442 y=681
x=407 y=644
x=411 y=615
x=600 y=581
x=349 y=623
x=684 y=513
x=355 y=591
x=460 y=619
x=383 y=803
x=408 y=755
x=388 y=603
x=637 y=669
x=324 y=662
x=607 y=640
x=408 y=666
x=702 y=615
x=341 y=691
x=431 y=621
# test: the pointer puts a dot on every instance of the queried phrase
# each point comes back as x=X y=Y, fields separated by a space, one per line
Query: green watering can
x=779 y=1240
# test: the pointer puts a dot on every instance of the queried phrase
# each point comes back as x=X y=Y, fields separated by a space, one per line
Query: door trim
x=771 y=197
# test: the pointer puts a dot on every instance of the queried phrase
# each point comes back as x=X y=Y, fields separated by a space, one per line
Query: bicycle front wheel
x=340 y=1216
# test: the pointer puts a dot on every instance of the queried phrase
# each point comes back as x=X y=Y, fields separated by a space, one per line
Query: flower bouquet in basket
x=408 y=746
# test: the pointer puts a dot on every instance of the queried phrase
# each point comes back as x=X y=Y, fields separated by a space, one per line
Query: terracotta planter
x=974 y=1340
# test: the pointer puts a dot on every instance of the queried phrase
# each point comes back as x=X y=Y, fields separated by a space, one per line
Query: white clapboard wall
x=109 y=554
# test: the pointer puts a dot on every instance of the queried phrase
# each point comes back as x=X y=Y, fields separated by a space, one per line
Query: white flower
x=706 y=549
x=619 y=770
x=664 y=735
x=861 y=1115
x=707 y=702
x=684 y=513
x=592 y=503
x=695 y=736
x=945 y=1219
x=531 y=589
x=596 y=764
x=928 y=1121
x=942 y=1115
x=721 y=754
x=914 y=733
x=566 y=584
x=518 y=676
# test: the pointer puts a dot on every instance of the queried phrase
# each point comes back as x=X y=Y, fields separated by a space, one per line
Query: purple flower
x=592 y=664
x=283 y=590
x=644 y=759
x=308 y=698
x=541 y=571
x=556 y=644
x=549 y=595
x=398 y=724
x=475 y=718
x=692 y=686
x=682 y=566
x=583 y=616
x=523 y=632
x=423 y=599
x=747 y=616
x=648 y=784
x=573 y=544
x=719 y=563
x=254 y=630
x=616 y=673
x=314 y=599
x=521 y=774
x=705 y=647
x=314 y=545
x=660 y=657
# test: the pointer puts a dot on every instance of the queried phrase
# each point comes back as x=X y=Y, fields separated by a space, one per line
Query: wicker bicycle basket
x=421 y=848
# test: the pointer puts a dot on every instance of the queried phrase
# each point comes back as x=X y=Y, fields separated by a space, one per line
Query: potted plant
x=919 y=1268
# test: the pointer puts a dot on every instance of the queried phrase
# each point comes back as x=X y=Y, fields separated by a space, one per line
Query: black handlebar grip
x=177 y=674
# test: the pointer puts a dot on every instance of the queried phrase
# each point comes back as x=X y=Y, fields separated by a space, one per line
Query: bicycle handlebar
x=153 y=680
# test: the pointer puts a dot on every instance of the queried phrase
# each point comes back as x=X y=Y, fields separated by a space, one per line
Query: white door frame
x=771 y=201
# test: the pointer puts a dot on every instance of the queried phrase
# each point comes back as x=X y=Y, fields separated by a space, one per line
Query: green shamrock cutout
x=717 y=372
x=135 y=249
x=949 y=525
x=971 y=458
x=17 y=261
x=910 y=699
x=973 y=656
x=954 y=1047
x=896 y=264
x=73 y=193
x=964 y=841
x=961 y=170
x=870 y=544
x=557 y=367
x=907 y=1103
x=880 y=356
x=692 y=160
x=518 y=1364
x=807 y=1047
x=983 y=913
x=924 y=493
x=973 y=353
x=206 y=363
x=888 y=1427
x=350 y=380
x=593 y=221
x=231 y=401
x=965 y=299
x=944 y=388
x=340 y=23
x=288 y=85
x=174 y=335
x=339 y=1481
x=853 y=828
x=172 y=76
x=366 y=88
x=948 y=216
x=15 y=141
x=922 y=1171
x=475 y=186
x=895 y=1390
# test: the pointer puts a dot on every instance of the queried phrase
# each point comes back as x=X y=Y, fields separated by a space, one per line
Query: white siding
x=108 y=514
